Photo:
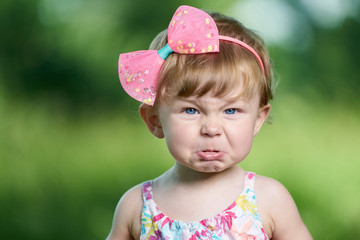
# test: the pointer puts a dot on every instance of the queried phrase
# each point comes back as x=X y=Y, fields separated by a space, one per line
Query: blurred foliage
x=67 y=146
x=326 y=71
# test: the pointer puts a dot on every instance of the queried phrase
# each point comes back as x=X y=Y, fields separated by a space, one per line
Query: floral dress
x=239 y=221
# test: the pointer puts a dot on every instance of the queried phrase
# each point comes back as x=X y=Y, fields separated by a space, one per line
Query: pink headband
x=191 y=31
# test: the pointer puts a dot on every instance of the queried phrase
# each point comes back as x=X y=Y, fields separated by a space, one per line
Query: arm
x=126 y=223
x=280 y=212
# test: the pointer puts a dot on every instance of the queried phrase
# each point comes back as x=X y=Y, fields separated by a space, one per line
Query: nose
x=211 y=126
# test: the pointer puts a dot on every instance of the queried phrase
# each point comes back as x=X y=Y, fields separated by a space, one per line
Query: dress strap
x=147 y=191
x=249 y=181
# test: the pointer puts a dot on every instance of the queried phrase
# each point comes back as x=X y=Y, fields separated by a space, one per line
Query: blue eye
x=230 y=111
x=191 y=111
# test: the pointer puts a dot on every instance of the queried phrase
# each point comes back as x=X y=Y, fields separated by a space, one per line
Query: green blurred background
x=71 y=141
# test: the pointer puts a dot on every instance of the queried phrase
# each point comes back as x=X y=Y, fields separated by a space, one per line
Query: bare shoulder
x=278 y=210
x=126 y=223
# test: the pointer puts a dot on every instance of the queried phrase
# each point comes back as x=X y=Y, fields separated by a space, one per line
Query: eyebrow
x=229 y=101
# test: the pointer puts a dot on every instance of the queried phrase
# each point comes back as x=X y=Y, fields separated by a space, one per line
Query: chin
x=212 y=169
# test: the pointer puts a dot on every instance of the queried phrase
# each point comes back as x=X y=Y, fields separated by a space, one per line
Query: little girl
x=205 y=88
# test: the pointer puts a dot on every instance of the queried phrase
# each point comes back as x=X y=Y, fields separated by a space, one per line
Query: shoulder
x=126 y=223
x=278 y=210
x=271 y=189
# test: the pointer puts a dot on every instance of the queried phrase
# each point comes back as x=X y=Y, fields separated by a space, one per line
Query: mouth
x=210 y=155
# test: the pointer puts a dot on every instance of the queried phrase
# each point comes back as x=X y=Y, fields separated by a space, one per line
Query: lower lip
x=211 y=156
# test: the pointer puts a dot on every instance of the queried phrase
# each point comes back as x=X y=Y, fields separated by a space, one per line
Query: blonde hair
x=233 y=67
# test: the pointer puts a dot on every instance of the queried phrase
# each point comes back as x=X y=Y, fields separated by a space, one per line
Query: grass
x=61 y=177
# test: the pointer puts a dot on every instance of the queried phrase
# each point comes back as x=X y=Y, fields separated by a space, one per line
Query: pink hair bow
x=191 y=31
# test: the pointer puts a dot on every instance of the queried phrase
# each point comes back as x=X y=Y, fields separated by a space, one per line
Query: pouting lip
x=210 y=155
x=210 y=150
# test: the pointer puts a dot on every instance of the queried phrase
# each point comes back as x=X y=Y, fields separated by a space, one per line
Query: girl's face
x=210 y=134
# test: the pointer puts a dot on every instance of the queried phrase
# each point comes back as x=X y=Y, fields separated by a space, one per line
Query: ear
x=263 y=113
x=151 y=119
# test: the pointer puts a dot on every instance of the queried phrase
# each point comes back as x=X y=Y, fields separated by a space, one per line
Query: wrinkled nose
x=211 y=126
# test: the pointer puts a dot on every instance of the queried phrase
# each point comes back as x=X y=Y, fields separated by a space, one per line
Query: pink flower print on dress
x=242 y=233
x=250 y=175
x=265 y=236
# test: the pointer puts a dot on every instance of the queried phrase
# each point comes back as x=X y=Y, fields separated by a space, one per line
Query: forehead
x=210 y=99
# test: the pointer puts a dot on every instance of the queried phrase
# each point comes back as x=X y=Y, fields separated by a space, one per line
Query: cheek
x=241 y=141
x=179 y=138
